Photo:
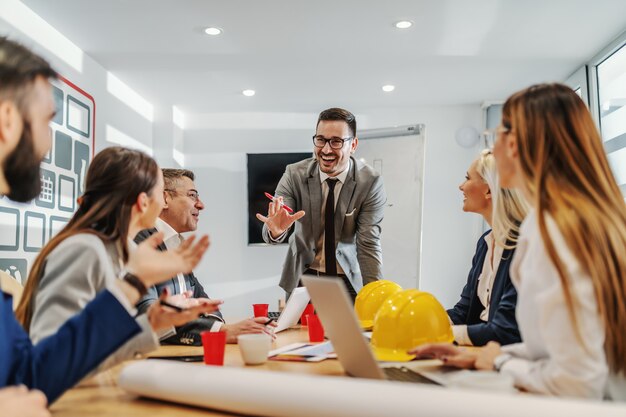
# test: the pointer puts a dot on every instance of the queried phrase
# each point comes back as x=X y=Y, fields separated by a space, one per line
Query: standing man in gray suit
x=343 y=200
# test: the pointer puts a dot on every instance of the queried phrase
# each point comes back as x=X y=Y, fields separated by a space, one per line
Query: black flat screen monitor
x=264 y=172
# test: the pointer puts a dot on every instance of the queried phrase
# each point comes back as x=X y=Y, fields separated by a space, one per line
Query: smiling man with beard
x=343 y=200
x=21 y=166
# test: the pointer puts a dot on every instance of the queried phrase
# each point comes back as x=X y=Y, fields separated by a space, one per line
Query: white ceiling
x=301 y=56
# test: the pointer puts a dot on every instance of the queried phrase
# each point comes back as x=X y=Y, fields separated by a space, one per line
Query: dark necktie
x=329 y=229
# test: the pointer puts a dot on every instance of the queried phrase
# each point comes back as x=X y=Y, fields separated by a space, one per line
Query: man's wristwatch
x=134 y=281
x=500 y=360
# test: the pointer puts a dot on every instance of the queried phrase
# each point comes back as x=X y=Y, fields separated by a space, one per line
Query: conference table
x=100 y=395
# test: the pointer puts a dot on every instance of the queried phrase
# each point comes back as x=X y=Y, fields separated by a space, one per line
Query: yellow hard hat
x=407 y=319
x=371 y=297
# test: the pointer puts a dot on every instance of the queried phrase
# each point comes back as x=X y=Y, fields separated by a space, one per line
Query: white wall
x=120 y=116
x=117 y=108
x=243 y=274
x=448 y=235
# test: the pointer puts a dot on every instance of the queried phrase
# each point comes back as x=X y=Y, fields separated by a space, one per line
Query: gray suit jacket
x=358 y=215
x=76 y=271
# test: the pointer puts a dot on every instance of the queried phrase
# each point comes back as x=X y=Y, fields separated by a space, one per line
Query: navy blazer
x=501 y=325
x=59 y=361
x=189 y=333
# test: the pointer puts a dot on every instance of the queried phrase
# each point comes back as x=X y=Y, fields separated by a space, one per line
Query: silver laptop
x=293 y=310
x=336 y=312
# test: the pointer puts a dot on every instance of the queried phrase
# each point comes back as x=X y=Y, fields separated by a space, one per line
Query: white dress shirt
x=488 y=274
x=551 y=359
x=172 y=240
x=485 y=287
x=319 y=263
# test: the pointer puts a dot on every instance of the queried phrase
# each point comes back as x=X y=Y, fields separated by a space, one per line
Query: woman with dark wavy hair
x=123 y=195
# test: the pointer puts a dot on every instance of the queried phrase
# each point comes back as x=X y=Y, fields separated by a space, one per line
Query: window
x=578 y=82
x=611 y=107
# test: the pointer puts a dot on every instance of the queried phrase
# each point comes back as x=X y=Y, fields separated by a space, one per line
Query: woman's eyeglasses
x=491 y=136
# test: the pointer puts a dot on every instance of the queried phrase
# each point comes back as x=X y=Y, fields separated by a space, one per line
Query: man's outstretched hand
x=278 y=219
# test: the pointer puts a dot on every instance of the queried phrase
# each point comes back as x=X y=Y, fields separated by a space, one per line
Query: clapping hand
x=153 y=266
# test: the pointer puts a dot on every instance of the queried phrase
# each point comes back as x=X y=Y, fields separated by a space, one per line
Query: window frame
x=592 y=74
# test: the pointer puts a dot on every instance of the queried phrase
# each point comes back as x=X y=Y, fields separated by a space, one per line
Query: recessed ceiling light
x=388 y=88
x=248 y=93
x=404 y=24
x=213 y=31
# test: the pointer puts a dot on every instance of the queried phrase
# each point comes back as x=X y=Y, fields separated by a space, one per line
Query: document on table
x=304 y=352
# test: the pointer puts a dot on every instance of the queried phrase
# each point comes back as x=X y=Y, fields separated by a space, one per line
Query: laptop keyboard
x=403 y=374
x=273 y=315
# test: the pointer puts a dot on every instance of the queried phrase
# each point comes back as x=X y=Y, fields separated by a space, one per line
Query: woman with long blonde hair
x=486 y=309
x=570 y=265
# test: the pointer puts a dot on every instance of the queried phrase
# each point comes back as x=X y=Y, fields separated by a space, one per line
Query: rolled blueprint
x=285 y=394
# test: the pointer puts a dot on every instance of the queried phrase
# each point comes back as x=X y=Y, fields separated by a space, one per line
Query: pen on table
x=175 y=307
x=271 y=197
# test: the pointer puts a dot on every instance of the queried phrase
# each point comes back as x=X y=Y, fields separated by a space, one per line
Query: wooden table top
x=100 y=396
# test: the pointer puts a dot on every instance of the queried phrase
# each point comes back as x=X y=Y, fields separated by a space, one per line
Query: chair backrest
x=11 y=286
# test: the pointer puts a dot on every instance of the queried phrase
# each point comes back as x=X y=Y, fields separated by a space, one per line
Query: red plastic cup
x=260 y=310
x=316 y=331
x=214 y=344
x=308 y=310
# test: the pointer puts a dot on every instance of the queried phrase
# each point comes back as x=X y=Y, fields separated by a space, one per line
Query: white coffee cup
x=254 y=348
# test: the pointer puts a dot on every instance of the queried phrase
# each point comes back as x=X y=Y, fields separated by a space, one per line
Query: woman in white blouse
x=570 y=265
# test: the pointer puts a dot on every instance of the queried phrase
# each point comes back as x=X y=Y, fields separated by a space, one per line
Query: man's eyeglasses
x=335 y=143
x=192 y=195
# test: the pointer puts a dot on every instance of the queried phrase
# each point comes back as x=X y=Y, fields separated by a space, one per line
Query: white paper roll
x=284 y=394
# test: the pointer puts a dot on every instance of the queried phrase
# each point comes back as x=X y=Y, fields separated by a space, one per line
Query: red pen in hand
x=271 y=197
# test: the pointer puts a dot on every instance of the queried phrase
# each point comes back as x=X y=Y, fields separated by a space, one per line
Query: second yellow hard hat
x=407 y=319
